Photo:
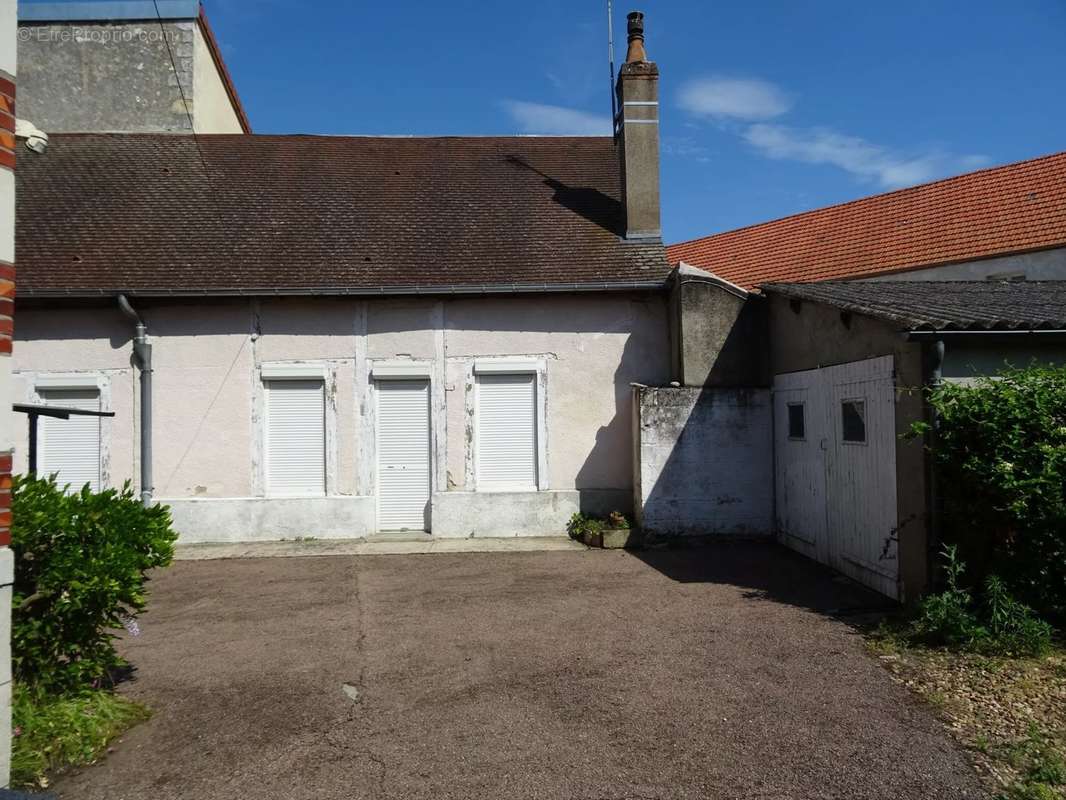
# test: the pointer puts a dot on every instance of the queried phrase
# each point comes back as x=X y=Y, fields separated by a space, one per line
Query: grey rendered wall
x=718 y=338
x=983 y=356
x=705 y=459
x=810 y=335
x=98 y=76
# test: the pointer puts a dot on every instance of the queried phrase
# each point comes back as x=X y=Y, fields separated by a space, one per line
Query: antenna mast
x=610 y=56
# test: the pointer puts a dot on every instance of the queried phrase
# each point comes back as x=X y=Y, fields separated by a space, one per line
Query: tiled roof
x=1011 y=209
x=943 y=305
x=165 y=213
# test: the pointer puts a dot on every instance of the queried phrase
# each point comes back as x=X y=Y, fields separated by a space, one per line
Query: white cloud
x=538 y=118
x=685 y=147
x=747 y=99
x=855 y=155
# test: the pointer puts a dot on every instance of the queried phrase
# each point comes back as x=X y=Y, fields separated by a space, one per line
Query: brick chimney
x=637 y=130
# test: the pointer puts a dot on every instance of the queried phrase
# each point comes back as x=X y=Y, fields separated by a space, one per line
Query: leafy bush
x=1000 y=456
x=80 y=571
x=999 y=625
x=49 y=732
x=618 y=521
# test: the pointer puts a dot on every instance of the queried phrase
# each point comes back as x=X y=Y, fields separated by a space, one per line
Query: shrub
x=50 y=732
x=999 y=625
x=80 y=572
x=1012 y=626
x=618 y=521
x=946 y=618
x=1000 y=456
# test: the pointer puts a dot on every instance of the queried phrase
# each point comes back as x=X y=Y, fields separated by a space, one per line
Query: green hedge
x=1000 y=456
x=80 y=571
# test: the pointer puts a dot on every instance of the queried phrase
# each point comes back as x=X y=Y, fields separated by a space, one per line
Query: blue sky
x=769 y=108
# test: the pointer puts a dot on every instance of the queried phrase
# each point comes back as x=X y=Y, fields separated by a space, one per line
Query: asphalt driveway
x=728 y=672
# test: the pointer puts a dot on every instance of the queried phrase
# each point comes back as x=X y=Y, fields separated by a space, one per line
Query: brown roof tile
x=147 y=213
x=1011 y=209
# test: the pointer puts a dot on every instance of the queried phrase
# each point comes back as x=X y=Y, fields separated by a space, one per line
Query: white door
x=861 y=472
x=70 y=447
x=799 y=464
x=403 y=464
x=835 y=468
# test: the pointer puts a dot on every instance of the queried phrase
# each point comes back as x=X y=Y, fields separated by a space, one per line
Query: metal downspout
x=142 y=354
x=935 y=376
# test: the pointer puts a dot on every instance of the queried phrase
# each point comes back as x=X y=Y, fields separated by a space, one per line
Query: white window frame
x=865 y=440
x=401 y=370
x=297 y=371
x=72 y=381
x=509 y=365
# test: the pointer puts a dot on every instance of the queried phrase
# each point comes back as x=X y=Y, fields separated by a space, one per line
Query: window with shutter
x=507 y=432
x=295 y=432
x=70 y=447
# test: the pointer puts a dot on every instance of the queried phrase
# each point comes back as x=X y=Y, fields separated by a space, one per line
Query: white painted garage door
x=403 y=454
x=835 y=463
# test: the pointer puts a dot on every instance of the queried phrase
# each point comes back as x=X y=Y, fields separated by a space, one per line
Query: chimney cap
x=636 y=51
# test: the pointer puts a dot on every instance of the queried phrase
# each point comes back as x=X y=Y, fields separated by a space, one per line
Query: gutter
x=938 y=336
x=142 y=355
x=379 y=291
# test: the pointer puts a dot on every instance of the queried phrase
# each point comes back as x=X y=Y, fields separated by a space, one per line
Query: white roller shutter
x=70 y=447
x=507 y=432
x=295 y=437
x=403 y=454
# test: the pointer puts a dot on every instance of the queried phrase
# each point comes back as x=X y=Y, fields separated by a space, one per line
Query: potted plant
x=617 y=532
x=611 y=533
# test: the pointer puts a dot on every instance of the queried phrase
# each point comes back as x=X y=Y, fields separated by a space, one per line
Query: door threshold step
x=373 y=546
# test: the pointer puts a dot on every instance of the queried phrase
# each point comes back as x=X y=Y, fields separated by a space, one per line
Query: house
x=479 y=336
x=1002 y=223
x=345 y=335
x=129 y=66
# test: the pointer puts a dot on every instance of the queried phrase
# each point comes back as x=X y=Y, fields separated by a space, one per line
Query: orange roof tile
x=997 y=211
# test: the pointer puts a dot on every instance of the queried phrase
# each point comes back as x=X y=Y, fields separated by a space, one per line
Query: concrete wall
x=705 y=461
x=719 y=335
x=207 y=432
x=987 y=355
x=214 y=111
x=809 y=335
x=1044 y=265
x=103 y=76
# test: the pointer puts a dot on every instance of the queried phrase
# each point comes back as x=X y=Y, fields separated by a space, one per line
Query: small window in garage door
x=797 y=421
x=853 y=421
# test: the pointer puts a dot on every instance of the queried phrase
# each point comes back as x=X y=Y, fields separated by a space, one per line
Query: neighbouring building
x=124 y=66
x=7 y=292
x=1002 y=223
